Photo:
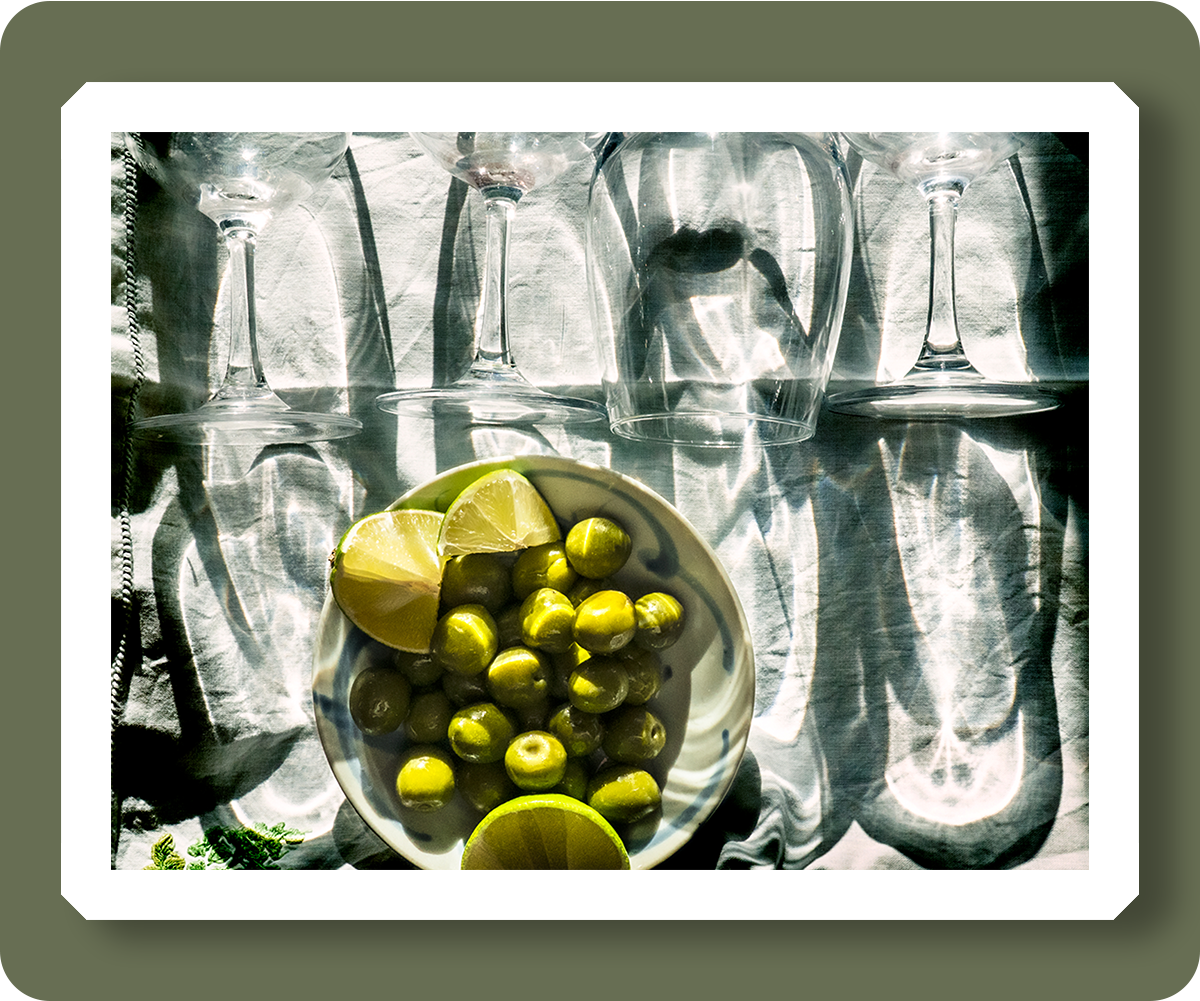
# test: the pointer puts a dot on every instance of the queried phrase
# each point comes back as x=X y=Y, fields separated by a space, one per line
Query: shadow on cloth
x=933 y=693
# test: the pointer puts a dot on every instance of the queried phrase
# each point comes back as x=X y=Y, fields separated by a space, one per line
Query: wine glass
x=502 y=167
x=241 y=180
x=942 y=383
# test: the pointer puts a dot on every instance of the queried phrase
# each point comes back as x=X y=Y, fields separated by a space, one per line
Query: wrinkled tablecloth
x=917 y=593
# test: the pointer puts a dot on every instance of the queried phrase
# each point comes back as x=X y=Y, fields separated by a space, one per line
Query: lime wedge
x=544 y=831
x=386 y=577
x=500 y=512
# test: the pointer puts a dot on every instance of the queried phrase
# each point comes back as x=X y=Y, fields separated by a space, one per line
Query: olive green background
x=50 y=49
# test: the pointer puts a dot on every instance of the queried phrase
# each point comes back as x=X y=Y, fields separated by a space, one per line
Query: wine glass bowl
x=512 y=161
x=932 y=160
x=232 y=174
x=942 y=382
x=241 y=180
x=503 y=167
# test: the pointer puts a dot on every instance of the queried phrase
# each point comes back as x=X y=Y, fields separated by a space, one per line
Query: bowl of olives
x=611 y=662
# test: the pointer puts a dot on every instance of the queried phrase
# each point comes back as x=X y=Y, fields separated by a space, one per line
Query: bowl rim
x=448 y=484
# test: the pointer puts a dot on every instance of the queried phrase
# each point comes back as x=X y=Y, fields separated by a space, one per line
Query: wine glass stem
x=942 y=349
x=491 y=323
x=244 y=379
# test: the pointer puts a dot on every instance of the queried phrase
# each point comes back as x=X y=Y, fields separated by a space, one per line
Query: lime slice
x=386 y=577
x=499 y=513
x=544 y=831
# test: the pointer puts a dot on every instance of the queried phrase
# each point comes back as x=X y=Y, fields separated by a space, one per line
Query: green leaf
x=163 y=854
x=258 y=847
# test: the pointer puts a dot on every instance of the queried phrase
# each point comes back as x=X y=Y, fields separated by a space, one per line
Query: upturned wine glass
x=502 y=167
x=241 y=180
x=942 y=383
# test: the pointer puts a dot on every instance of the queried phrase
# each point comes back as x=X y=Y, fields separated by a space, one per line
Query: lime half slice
x=386 y=577
x=544 y=831
x=500 y=512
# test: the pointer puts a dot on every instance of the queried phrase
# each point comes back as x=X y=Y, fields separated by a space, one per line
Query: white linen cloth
x=917 y=594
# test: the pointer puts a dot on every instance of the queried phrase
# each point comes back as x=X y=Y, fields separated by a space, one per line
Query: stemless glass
x=718 y=265
x=942 y=382
x=502 y=167
x=241 y=180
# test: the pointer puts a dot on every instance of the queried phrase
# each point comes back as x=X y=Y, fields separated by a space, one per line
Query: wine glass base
x=944 y=396
x=266 y=425
x=481 y=402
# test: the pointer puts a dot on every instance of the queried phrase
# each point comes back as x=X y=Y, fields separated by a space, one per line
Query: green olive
x=585 y=587
x=560 y=671
x=425 y=780
x=597 y=547
x=519 y=677
x=564 y=664
x=645 y=674
x=477 y=579
x=633 y=734
x=535 y=761
x=605 y=622
x=542 y=566
x=547 y=619
x=508 y=627
x=575 y=779
x=485 y=786
x=428 y=716
x=465 y=639
x=532 y=716
x=598 y=685
x=465 y=689
x=622 y=794
x=572 y=657
x=581 y=732
x=420 y=669
x=379 y=700
x=480 y=732
x=659 y=620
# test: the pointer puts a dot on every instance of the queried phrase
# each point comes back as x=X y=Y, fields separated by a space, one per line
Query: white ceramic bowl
x=706 y=701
